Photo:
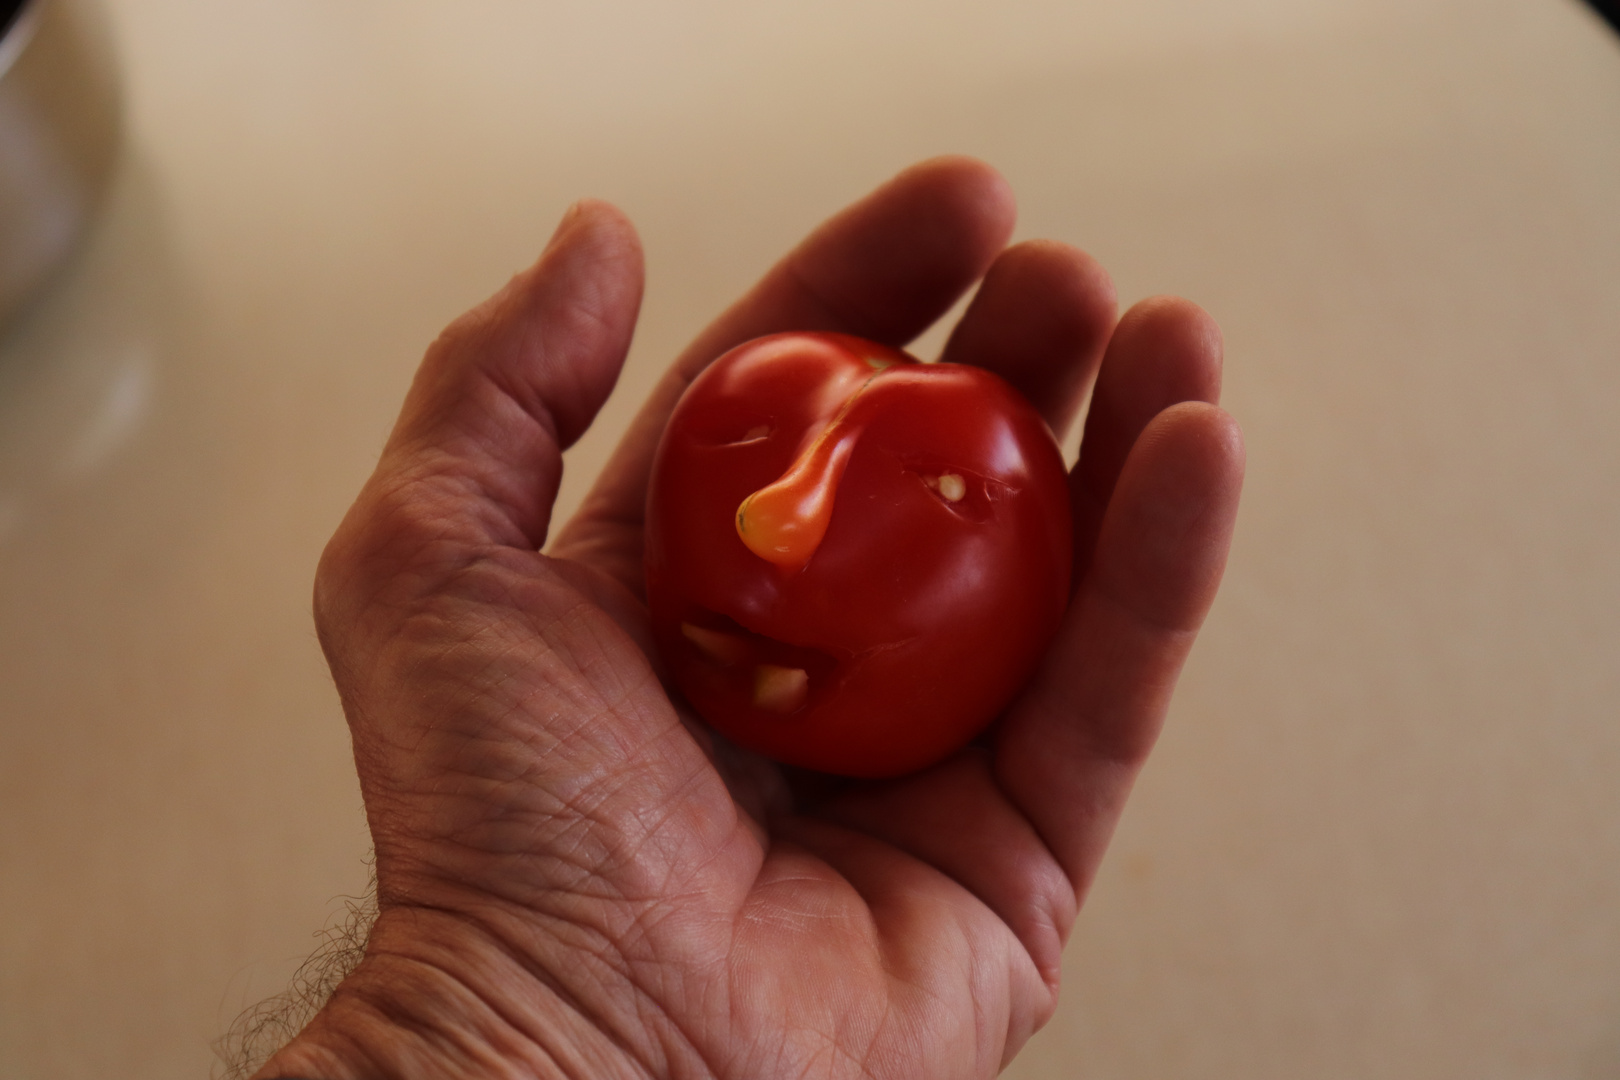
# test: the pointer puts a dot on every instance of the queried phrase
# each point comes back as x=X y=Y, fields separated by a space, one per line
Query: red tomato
x=854 y=560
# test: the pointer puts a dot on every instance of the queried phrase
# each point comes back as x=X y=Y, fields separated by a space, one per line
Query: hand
x=574 y=878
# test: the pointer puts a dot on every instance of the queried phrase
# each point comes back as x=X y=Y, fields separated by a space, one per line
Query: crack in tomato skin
x=938 y=575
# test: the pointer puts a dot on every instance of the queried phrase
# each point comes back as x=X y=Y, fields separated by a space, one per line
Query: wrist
x=437 y=997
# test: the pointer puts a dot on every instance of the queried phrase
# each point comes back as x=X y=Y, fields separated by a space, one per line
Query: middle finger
x=1041 y=320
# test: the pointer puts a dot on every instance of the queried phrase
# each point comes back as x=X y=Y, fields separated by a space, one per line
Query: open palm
x=575 y=879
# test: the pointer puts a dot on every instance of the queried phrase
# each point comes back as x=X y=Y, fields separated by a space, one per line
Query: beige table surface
x=1382 y=835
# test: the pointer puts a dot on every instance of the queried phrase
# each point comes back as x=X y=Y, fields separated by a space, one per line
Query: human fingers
x=1164 y=350
x=956 y=818
x=1040 y=320
x=1069 y=749
x=509 y=385
x=883 y=268
x=473 y=461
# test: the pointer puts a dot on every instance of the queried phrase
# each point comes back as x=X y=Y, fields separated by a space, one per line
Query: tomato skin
x=941 y=576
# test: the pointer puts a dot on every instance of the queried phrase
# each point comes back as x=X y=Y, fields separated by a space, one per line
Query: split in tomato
x=854 y=560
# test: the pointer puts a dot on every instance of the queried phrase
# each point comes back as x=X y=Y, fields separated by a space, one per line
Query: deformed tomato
x=853 y=559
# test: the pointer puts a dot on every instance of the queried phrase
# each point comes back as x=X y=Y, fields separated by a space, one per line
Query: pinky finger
x=1070 y=749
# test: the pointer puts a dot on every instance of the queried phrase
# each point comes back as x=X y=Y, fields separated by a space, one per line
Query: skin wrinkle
x=494 y=529
x=693 y=780
x=583 y=713
x=394 y=1013
x=570 y=632
x=556 y=827
x=354 y=998
x=627 y=612
x=581 y=814
x=894 y=961
x=621 y=860
x=542 y=973
x=572 y=370
x=670 y=976
x=1044 y=902
x=902 y=969
x=496 y=436
x=586 y=802
x=670 y=1028
x=995 y=1032
x=535 y=732
x=834 y=1048
x=1042 y=932
x=597 y=1021
x=615 y=961
x=1103 y=754
x=414 y=539
x=598 y=860
x=870 y=1050
x=672 y=730
x=486 y=1000
x=494 y=413
x=441 y=732
x=1103 y=807
x=484 y=683
x=434 y=459
x=434 y=628
x=1056 y=933
x=482 y=791
x=988 y=1031
x=535 y=712
x=835 y=1051
x=600 y=871
x=565 y=699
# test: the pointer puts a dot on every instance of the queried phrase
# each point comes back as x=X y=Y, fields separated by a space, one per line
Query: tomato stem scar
x=780 y=689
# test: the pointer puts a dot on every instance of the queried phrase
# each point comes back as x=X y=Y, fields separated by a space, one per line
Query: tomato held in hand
x=854 y=560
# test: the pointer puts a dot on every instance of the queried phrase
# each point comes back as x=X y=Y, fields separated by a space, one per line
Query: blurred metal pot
x=59 y=123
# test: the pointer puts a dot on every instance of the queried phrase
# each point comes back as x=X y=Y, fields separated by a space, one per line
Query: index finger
x=883 y=268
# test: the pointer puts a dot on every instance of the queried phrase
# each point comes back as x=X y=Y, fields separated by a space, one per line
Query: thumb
x=512 y=383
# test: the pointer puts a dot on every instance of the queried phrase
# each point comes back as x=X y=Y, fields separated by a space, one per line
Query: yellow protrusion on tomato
x=784 y=522
x=951 y=487
x=722 y=648
x=780 y=689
